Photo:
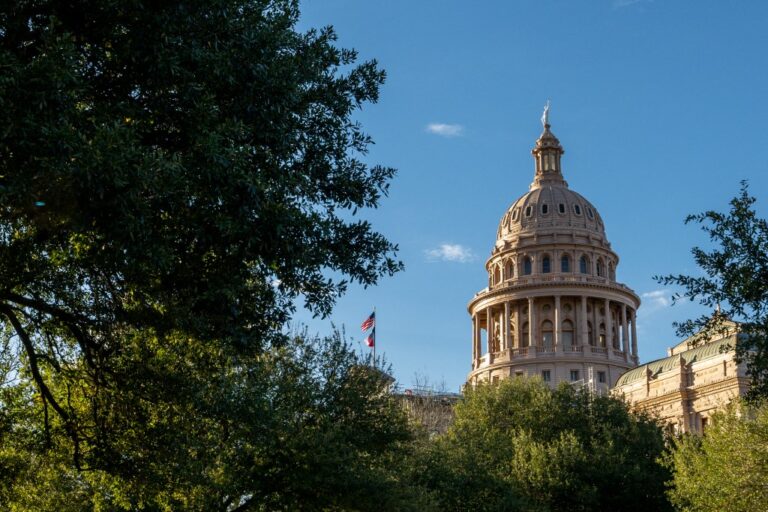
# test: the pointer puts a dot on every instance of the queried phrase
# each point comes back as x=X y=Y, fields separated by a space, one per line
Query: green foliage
x=306 y=427
x=727 y=468
x=736 y=280
x=174 y=177
x=520 y=446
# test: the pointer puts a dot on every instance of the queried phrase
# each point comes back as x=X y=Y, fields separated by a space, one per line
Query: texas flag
x=371 y=339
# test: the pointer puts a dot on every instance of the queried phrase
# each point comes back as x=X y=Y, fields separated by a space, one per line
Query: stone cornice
x=560 y=359
x=544 y=287
x=688 y=393
x=714 y=387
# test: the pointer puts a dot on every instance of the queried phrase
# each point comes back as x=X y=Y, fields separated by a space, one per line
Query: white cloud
x=450 y=252
x=617 y=4
x=445 y=130
x=657 y=299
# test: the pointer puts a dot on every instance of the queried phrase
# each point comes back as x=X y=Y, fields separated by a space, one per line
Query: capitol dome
x=548 y=207
x=553 y=307
x=549 y=203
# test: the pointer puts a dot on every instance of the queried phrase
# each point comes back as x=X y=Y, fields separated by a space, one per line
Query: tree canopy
x=735 y=281
x=517 y=445
x=727 y=468
x=180 y=165
x=174 y=178
x=307 y=427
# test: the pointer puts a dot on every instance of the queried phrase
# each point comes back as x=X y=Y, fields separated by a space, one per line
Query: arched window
x=567 y=333
x=591 y=334
x=524 y=340
x=600 y=271
x=583 y=265
x=509 y=270
x=565 y=263
x=546 y=266
x=527 y=266
x=601 y=340
x=547 y=337
x=496 y=275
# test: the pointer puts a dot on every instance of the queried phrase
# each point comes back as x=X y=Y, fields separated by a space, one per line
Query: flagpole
x=374 y=336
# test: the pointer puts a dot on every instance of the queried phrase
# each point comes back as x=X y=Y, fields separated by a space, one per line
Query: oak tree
x=517 y=445
x=174 y=178
x=727 y=468
x=734 y=280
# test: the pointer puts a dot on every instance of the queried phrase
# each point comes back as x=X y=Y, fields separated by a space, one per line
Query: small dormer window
x=577 y=209
x=544 y=209
x=561 y=208
x=590 y=213
x=528 y=211
x=515 y=213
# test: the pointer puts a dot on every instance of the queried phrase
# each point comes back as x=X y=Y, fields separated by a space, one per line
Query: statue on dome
x=545 y=115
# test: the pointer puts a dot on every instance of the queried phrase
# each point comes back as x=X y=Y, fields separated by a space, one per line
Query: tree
x=735 y=281
x=309 y=427
x=727 y=468
x=517 y=445
x=174 y=176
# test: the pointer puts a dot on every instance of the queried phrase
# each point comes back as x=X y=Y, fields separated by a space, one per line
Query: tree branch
x=38 y=378
x=70 y=320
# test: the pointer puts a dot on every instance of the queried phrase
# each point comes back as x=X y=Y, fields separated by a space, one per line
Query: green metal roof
x=658 y=366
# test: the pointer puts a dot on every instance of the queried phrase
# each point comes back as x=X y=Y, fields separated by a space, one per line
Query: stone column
x=476 y=339
x=489 y=330
x=583 y=321
x=608 y=326
x=595 y=322
x=531 y=324
x=634 y=333
x=624 y=329
x=506 y=325
x=558 y=329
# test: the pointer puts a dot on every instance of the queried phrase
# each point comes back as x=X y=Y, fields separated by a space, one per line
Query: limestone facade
x=553 y=307
x=684 y=389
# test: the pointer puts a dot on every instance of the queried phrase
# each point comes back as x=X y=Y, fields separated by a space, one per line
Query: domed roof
x=550 y=204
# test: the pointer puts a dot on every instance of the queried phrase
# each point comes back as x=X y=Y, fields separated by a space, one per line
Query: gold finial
x=545 y=115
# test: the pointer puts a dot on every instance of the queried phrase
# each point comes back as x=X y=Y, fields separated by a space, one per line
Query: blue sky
x=660 y=106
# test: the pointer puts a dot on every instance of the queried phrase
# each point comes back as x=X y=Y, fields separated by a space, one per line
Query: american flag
x=369 y=322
